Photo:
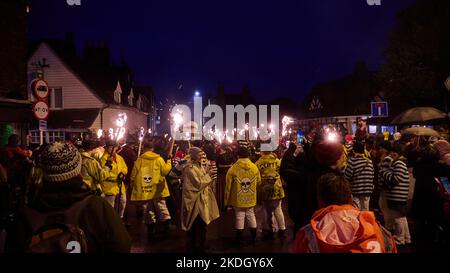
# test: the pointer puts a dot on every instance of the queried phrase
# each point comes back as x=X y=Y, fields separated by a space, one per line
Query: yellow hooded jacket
x=242 y=181
x=271 y=187
x=92 y=172
x=148 y=178
x=110 y=186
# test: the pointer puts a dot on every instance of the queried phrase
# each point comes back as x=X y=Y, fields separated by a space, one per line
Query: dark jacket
x=426 y=203
x=129 y=156
x=292 y=171
x=102 y=226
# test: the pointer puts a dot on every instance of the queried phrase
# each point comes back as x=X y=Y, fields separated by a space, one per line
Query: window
x=35 y=139
x=49 y=136
x=55 y=100
x=139 y=103
x=130 y=98
x=53 y=136
x=118 y=94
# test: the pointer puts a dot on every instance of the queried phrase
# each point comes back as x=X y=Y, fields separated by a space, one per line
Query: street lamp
x=197 y=93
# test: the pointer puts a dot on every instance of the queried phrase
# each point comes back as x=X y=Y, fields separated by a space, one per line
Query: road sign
x=379 y=109
x=42 y=125
x=40 y=110
x=40 y=88
x=447 y=83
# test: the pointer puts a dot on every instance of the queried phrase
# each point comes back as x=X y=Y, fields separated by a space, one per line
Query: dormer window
x=131 y=98
x=118 y=93
x=139 y=102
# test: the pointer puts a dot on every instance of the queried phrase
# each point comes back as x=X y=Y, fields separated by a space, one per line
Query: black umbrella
x=418 y=115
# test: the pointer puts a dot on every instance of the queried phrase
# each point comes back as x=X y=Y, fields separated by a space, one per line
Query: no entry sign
x=40 y=110
x=379 y=109
x=40 y=88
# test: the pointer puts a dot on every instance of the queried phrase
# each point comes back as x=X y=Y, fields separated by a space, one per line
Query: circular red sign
x=40 y=88
x=41 y=110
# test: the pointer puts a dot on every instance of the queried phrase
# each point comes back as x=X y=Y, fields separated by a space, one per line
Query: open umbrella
x=418 y=115
x=420 y=131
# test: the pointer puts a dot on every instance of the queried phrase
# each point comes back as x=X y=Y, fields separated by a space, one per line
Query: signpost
x=41 y=112
x=42 y=125
x=379 y=109
x=40 y=89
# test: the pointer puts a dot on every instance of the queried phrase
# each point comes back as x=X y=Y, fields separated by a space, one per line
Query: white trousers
x=395 y=222
x=387 y=214
x=245 y=214
x=361 y=202
x=156 y=208
x=123 y=202
x=401 y=228
x=274 y=212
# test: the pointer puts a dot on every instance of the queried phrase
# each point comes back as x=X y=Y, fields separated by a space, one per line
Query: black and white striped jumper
x=396 y=180
x=360 y=173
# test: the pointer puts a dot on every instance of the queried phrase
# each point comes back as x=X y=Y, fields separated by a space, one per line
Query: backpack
x=57 y=231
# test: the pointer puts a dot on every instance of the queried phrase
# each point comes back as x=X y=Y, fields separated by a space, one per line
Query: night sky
x=280 y=48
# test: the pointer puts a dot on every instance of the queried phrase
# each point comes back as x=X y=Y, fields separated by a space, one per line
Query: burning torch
x=141 y=138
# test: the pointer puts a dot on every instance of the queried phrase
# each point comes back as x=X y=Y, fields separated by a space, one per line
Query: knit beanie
x=60 y=162
x=327 y=153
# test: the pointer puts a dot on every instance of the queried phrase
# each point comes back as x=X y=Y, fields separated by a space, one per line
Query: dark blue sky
x=280 y=48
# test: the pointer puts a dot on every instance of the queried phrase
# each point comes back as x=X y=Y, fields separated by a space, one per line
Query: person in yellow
x=118 y=170
x=271 y=192
x=242 y=181
x=91 y=171
x=148 y=185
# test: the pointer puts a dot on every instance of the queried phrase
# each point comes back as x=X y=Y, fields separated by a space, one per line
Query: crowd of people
x=343 y=193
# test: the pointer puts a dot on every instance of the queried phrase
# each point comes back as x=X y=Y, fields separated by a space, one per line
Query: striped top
x=386 y=163
x=360 y=173
x=396 y=180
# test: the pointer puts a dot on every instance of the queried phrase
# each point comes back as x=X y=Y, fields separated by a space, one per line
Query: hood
x=270 y=156
x=150 y=155
x=340 y=226
x=61 y=195
x=244 y=163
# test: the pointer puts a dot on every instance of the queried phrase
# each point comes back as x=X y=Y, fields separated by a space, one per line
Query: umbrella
x=420 y=131
x=418 y=115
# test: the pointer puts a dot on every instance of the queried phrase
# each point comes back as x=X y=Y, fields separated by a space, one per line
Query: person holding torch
x=116 y=177
x=149 y=184
x=113 y=186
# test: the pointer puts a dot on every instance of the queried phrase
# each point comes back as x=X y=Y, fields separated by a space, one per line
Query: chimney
x=96 y=53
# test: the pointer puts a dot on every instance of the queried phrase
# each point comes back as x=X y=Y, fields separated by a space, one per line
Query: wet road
x=220 y=237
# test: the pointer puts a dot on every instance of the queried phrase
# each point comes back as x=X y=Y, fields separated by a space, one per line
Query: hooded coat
x=92 y=172
x=110 y=186
x=198 y=198
x=148 y=179
x=271 y=186
x=242 y=182
x=343 y=229
x=98 y=220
